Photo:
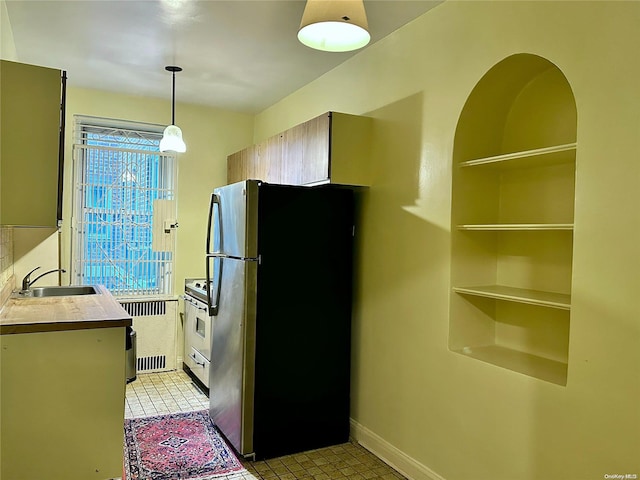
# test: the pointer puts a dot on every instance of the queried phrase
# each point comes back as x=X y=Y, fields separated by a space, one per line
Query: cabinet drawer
x=199 y=365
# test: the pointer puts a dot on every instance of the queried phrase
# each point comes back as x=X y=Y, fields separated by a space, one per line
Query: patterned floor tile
x=174 y=392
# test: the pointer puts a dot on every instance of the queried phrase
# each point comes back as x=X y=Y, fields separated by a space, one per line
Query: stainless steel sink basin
x=63 y=291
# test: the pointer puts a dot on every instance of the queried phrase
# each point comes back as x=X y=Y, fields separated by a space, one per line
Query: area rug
x=182 y=446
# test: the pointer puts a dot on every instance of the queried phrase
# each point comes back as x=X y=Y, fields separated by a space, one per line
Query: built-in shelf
x=518 y=361
x=556 y=154
x=514 y=178
x=516 y=226
x=519 y=295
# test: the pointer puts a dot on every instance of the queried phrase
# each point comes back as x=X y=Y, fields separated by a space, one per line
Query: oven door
x=198 y=323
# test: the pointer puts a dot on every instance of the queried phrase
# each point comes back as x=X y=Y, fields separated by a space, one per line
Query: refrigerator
x=279 y=288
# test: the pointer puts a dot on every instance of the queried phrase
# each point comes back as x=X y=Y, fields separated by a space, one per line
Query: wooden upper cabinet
x=237 y=165
x=333 y=147
x=269 y=164
x=260 y=161
x=314 y=137
x=30 y=119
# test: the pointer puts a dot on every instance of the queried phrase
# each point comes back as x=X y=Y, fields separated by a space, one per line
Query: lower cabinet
x=62 y=404
x=330 y=148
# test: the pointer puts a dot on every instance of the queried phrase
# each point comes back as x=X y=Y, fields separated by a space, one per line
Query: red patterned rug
x=182 y=446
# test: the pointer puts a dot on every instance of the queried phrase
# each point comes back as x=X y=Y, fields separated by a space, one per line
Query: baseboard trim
x=391 y=455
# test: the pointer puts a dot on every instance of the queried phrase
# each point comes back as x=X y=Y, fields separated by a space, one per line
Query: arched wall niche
x=523 y=102
x=513 y=193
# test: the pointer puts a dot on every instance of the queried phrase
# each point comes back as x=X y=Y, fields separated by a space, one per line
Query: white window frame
x=115 y=243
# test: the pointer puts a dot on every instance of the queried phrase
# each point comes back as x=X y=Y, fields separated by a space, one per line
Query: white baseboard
x=391 y=455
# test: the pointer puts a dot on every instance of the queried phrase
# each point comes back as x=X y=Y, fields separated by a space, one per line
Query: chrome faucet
x=27 y=282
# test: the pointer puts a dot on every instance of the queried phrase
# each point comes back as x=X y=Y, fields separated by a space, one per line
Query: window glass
x=119 y=177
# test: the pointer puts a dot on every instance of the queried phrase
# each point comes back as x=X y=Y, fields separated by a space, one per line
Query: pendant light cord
x=173 y=69
x=173 y=100
x=172 y=137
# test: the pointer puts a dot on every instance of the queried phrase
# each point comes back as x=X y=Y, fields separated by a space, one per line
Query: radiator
x=155 y=324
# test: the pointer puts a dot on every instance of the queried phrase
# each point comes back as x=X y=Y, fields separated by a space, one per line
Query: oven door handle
x=193 y=357
x=193 y=302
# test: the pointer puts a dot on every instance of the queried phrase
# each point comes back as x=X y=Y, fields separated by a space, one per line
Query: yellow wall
x=210 y=134
x=7 y=46
x=456 y=416
x=36 y=247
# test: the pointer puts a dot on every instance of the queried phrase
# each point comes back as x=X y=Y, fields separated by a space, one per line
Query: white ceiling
x=240 y=55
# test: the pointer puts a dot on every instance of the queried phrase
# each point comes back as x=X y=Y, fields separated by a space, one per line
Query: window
x=123 y=208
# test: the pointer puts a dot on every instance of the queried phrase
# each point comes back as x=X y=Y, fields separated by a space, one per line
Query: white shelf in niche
x=556 y=154
x=516 y=226
x=522 y=362
x=519 y=295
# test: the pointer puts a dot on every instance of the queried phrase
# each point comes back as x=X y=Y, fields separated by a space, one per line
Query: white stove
x=197 y=331
x=196 y=287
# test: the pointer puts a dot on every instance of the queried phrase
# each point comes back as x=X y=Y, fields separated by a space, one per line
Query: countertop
x=50 y=314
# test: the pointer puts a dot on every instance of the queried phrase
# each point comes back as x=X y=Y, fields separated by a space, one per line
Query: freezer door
x=213 y=226
x=233 y=214
x=231 y=379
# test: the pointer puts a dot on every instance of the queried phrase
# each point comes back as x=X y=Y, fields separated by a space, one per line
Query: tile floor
x=163 y=393
x=173 y=392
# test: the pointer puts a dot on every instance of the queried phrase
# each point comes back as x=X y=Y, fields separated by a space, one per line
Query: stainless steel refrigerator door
x=213 y=282
x=233 y=220
x=233 y=354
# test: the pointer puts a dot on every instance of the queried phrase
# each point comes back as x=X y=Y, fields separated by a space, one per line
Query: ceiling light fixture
x=334 y=25
x=172 y=136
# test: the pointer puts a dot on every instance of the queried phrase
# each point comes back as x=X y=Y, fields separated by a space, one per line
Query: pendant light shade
x=172 y=136
x=334 y=25
x=172 y=140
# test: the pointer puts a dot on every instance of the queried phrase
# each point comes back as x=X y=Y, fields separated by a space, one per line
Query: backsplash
x=6 y=255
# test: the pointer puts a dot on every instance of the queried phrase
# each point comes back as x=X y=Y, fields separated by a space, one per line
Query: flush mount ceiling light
x=334 y=25
x=172 y=136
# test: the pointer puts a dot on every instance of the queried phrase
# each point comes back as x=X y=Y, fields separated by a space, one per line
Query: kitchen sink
x=63 y=291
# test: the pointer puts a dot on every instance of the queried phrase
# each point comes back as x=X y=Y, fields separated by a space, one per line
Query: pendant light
x=172 y=136
x=334 y=25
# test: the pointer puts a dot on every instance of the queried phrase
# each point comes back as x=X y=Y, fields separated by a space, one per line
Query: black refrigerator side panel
x=303 y=324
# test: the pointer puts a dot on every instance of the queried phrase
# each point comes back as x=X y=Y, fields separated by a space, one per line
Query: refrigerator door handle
x=213 y=303
x=214 y=203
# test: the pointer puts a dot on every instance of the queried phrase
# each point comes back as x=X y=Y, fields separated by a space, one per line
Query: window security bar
x=115 y=186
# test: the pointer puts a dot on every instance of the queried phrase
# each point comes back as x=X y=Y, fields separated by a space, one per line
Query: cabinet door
x=254 y=169
x=297 y=156
x=237 y=166
x=30 y=130
x=315 y=149
x=269 y=160
x=44 y=406
x=305 y=152
x=292 y=141
x=243 y=165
